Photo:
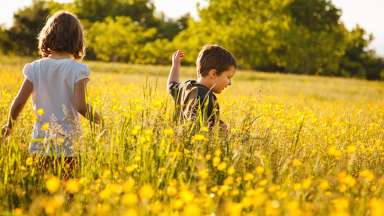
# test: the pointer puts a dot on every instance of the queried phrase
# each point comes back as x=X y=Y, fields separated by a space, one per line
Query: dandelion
x=52 y=184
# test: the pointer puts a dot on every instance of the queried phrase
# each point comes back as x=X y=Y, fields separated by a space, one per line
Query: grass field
x=299 y=145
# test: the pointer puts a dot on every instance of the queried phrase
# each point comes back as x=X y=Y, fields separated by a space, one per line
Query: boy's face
x=223 y=80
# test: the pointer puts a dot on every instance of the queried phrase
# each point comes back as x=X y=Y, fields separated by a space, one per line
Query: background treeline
x=292 y=36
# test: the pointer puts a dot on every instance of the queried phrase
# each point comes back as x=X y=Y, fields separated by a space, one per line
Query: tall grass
x=298 y=145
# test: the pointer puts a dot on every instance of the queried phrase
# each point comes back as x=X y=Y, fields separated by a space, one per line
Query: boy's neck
x=204 y=82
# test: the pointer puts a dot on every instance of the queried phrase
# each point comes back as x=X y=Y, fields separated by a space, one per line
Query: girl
x=57 y=83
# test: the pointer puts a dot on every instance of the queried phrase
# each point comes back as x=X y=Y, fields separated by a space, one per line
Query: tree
x=27 y=23
x=119 y=39
x=140 y=11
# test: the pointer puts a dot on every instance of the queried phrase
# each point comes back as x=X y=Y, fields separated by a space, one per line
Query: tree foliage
x=293 y=36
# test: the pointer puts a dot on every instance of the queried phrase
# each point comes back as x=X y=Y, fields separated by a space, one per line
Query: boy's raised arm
x=174 y=74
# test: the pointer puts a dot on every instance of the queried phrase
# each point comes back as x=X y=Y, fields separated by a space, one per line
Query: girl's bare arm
x=80 y=103
x=18 y=105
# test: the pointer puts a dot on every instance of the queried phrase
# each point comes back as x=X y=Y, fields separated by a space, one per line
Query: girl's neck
x=60 y=55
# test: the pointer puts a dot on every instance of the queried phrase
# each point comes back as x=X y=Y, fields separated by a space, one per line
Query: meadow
x=298 y=145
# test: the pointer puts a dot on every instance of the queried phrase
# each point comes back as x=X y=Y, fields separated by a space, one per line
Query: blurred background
x=321 y=37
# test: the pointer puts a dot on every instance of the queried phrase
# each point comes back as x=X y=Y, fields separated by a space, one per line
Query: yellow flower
x=146 y=192
x=29 y=161
x=367 y=175
x=186 y=196
x=203 y=174
x=248 y=176
x=222 y=166
x=72 y=186
x=40 y=112
x=52 y=184
x=129 y=199
x=216 y=161
x=376 y=207
x=259 y=170
x=324 y=185
x=231 y=170
x=192 y=210
x=296 y=163
x=168 y=131
x=45 y=127
x=171 y=191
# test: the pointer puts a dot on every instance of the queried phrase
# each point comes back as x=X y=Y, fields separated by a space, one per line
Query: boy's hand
x=177 y=57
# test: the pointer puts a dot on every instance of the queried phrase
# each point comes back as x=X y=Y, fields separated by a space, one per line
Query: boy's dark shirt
x=191 y=97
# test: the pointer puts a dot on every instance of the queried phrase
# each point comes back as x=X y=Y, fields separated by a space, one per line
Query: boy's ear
x=212 y=73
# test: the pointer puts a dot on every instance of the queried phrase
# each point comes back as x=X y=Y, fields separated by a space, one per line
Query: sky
x=366 y=13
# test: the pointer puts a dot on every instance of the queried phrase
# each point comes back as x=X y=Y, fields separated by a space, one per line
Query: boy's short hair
x=62 y=33
x=214 y=57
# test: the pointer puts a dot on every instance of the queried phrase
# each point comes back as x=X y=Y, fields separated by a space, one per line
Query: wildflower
x=168 y=131
x=376 y=207
x=129 y=199
x=199 y=138
x=131 y=168
x=52 y=184
x=351 y=149
x=72 y=186
x=222 y=166
x=29 y=161
x=216 y=161
x=332 y=151
x=146 y=192
x=296 y=163
x=248 y=176
x=186 y=196
x=203 y=174
x=324 y=185
x=259 y=170
x=40 y=112
x=45 y=127
x=367 y=175
x=171 y=191
x=231 y=170
x=192 y=209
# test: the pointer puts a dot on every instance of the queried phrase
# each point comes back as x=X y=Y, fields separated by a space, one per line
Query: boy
x=195 y=99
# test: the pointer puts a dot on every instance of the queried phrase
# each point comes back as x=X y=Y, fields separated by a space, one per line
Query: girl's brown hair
x=62 y=33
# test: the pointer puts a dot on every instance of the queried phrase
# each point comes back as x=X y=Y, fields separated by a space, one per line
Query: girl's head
x=62 y=33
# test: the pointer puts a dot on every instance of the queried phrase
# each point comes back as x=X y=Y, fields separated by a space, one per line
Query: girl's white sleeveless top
x=57 y=122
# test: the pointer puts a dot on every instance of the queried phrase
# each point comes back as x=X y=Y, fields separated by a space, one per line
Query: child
x=195 y=99
x=57 y=83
